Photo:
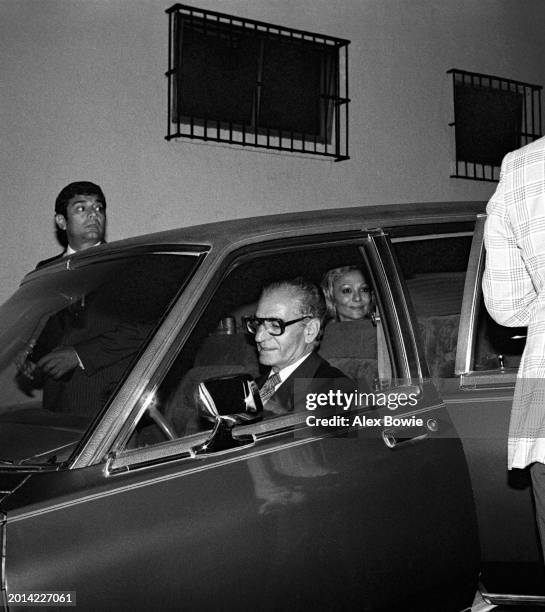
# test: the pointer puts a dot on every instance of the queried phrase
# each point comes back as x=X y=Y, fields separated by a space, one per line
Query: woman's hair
x=328 y=283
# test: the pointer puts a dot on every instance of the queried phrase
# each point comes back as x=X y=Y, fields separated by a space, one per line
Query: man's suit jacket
x=107 y=329
x=314 y=375
x=55 y=257
x=49 y=260
x=105 y=339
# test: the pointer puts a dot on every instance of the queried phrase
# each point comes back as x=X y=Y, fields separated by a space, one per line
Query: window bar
x=218 y=122
x=175 y=69
x=529 y=106
x=464 y=72
x=337 y=105
x=346 y=149
x=169 y=81
x=177 y=75
x=453 y=125
x=536 y=111
x=231 y=140
x=191 y=119
x=536 y=94
x=539 y=110
x=259 y=85
x=205 y=122
x=333 y=101
x=246 y=22
x=323 y=102
x=292 y=139
x=524 y=115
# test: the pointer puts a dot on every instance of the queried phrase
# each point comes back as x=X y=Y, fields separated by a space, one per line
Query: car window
x=93 y=320
x=220 y=345
x=488 y=354
x=434 y=267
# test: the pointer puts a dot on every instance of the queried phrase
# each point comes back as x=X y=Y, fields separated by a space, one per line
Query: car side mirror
x=228 y=401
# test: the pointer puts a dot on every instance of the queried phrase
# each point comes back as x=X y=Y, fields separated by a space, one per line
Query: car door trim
x=470 y=303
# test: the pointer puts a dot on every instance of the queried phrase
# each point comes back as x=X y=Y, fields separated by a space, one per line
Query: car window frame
x=376 y=253
x=431 y=231
x=114 y=431
x=467 y=334
x=106 y=425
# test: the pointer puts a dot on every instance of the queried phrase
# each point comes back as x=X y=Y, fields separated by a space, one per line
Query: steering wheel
x=162 y=423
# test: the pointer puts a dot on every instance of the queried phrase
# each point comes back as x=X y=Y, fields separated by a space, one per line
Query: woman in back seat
x=350 y=340
x=347 y=293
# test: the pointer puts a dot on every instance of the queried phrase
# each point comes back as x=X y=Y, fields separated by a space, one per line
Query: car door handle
x=399 y=437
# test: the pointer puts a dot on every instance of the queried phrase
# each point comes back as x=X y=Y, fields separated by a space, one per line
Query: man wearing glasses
x=287 y=327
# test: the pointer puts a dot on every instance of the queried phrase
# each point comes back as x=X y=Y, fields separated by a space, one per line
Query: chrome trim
x=203 y=463
x=470 y=303
x=379 y=256
x=488 y=379
x=478 y=400
x=510 y=599
x=3 y=546
x=430 y=236
x=391 y=440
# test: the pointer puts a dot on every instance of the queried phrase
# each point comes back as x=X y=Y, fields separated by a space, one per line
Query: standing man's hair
x=78 y=188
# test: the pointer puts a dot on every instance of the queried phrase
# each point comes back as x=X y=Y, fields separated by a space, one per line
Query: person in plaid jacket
x=514 y=293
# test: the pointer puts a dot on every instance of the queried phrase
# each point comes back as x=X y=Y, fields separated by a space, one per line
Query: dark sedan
x=158 y=482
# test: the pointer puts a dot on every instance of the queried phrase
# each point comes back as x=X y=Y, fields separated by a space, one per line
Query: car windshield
x=68 y=338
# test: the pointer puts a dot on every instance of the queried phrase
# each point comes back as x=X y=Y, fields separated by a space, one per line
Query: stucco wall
x=84 y=97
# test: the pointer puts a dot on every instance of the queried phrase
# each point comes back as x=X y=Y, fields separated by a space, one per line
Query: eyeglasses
x=275 y=327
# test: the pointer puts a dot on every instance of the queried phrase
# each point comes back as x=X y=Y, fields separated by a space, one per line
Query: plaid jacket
x=514 y=288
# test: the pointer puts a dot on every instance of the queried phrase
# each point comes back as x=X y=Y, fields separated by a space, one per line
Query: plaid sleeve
x=507 y=286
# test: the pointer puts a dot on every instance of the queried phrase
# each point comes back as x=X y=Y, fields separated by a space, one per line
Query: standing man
x=80 y=212
x=514 y=292
x=84 y=349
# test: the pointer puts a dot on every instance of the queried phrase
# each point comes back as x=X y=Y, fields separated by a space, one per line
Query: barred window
x=250 y=83
x=492 y=116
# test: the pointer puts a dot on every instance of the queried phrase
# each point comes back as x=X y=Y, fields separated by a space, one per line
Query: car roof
x=238 y=232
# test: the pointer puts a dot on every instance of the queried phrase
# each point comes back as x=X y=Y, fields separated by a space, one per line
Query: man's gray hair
x=310 y=296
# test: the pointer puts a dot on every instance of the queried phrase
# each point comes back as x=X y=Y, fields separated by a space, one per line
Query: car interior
x=216 y=348
x=219 y=344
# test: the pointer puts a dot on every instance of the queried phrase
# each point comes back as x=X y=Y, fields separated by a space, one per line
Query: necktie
x=267 y=390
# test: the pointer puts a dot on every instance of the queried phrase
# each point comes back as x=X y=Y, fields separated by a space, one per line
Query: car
x=155 y=480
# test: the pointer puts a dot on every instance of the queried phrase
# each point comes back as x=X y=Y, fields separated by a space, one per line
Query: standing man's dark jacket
x=105 y=338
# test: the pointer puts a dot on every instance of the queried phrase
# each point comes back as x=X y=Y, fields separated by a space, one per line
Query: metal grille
x=254 y=84
x=492 y=116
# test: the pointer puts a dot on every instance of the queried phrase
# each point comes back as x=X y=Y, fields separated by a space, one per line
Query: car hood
x=9 y=481
x=36 y=436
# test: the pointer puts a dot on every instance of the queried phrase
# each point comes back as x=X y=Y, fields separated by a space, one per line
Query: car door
x=374 y=513
x=473 y=362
